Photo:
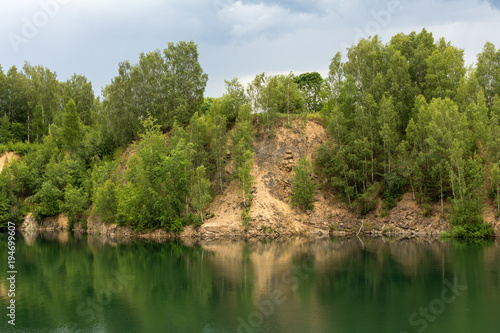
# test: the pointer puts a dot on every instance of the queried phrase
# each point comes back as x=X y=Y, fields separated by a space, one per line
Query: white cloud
x=248 y=20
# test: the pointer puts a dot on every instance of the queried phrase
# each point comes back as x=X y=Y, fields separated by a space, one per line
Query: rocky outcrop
x=29 y=223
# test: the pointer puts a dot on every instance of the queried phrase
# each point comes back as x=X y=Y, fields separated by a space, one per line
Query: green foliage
x=143 y=202
x=244 y=175
x=310 y=86
x=474 y=231
x=184 y=81
x=246 y=219
x=393 y=189
x=75 y=203
x=243 y=137
x=232 y=100
x=218 y=143
x=42 y=98
x=200 y=191
x=368 y=201
x=47 y=200
x=402 y=113
x=467 y=215
x=5 y=130
x=206 y=105
x=272 y=95
x=303 y=186
x=106 y=201
x=445 y=69
x=71 y=127
x=5 y=199
x=79 y=90
x=495 y=180
x=168 y=85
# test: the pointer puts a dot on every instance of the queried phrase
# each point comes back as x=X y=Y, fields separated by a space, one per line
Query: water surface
x=68 y=283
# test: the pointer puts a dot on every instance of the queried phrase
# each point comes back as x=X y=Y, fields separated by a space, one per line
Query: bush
x=467 y=220
x=5 y=199
x=75 y=204
x=368 y=200
x=190 y=219
x=48 y=200
x=393 y=189
x=303 y=186
x=22 y=148
x=246 y=219
x=105 y=202
x=470 y=231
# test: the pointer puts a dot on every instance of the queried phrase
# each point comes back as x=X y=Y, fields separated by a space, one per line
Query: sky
x=236 y=38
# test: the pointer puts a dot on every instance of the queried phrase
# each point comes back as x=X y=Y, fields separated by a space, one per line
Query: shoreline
x=190 y=233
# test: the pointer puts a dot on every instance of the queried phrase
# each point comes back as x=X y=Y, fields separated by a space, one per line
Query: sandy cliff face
x=272 y=214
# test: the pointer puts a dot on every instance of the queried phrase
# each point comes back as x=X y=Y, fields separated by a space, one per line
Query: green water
x=93 y=284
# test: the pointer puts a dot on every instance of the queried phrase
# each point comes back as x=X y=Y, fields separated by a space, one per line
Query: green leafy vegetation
x=409 y=115
x=303 y=186
x=406 y=116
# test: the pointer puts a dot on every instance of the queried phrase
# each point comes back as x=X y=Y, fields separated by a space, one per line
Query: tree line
x=408 y=115
x=403 y=116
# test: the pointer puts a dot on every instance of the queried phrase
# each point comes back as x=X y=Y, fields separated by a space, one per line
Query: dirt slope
x=6 y=158
x=272 y=214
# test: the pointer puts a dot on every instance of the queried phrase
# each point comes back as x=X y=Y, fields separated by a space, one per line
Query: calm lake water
x=66 y=283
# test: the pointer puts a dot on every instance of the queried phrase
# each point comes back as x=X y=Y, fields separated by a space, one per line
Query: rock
x=29 y=223
x=403 y=226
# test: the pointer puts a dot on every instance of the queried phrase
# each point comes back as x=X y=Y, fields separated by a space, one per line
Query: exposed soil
x=6 y=158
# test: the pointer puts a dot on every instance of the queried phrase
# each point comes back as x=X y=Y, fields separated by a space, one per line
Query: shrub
x=368 y=200
x=105 y=202
x=303 y=186
x=48 y=200
x=483 y=230
x=393 y=189
x=467 y=220
x=75 y=203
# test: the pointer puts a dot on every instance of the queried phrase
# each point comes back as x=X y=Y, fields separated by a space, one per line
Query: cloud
x=494 y=3
x=250 y=19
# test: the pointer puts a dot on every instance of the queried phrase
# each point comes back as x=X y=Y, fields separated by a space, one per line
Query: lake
x=71 y=283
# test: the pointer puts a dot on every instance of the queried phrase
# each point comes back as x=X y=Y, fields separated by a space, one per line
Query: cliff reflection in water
x=325 y=285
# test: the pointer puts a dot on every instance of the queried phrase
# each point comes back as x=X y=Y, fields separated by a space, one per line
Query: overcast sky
x=235 y=38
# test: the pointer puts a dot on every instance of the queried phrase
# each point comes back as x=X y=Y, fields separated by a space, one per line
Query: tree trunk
x=442 y=208
x=498 y=199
